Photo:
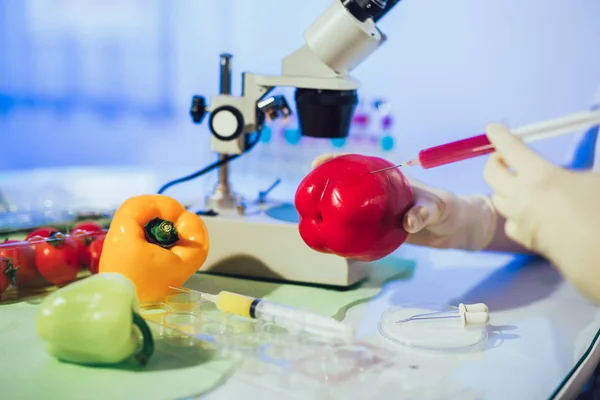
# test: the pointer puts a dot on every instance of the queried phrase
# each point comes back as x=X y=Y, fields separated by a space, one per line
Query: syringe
x=480 y=145
x=278 y=314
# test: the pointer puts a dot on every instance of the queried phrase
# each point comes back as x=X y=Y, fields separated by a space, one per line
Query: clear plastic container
x=47 y=259
x=21 y=222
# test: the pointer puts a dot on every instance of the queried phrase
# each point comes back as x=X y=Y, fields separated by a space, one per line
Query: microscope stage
x=265 y=244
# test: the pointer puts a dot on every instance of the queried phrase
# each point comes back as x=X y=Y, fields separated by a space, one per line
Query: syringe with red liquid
x=480 y=145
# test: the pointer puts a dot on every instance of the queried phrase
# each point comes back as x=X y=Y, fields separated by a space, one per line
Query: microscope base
x=261 y=247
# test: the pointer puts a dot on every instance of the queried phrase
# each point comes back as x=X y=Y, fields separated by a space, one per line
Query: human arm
x=549 y=210
x=582 y=159
x=502 y=243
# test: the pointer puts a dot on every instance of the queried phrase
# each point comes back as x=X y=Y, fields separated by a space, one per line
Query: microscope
x=262 y=245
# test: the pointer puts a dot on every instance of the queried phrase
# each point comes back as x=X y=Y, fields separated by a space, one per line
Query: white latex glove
x=550 y=210
x=443 y=220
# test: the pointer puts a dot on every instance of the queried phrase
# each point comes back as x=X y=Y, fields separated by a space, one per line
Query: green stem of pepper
x=161 y=233
x=147 y=349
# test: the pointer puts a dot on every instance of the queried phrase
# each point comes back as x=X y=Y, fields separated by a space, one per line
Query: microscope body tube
x=282 y=315
x=340 y=41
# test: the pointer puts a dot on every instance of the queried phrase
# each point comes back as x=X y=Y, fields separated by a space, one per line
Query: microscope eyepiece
x=365 y=9
x=325 y=113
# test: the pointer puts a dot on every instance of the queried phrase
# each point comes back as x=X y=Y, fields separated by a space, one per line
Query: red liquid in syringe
x=452 y=152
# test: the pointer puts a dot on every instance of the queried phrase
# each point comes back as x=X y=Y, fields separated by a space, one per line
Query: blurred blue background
x=108 y=83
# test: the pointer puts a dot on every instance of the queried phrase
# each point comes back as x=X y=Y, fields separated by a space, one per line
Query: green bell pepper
x=95 y=321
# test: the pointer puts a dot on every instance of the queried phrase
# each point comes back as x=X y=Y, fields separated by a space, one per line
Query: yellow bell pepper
x=156 y=243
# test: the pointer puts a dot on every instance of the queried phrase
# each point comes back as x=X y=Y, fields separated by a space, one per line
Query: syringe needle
x=409 y=163
x=203 y=296
x=387 y=168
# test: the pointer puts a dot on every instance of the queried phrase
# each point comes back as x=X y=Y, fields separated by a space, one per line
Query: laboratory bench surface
x=542 y=334
x=542 y=341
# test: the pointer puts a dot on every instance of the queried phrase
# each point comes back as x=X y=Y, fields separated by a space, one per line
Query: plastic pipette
x=293 y=318
x=480 y=145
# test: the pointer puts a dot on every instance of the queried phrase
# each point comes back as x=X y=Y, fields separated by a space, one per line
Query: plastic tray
x=23 y=222
x=292 y=364
x=39 y=264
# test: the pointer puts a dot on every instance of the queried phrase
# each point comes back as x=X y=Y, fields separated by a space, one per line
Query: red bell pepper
x=346 y=210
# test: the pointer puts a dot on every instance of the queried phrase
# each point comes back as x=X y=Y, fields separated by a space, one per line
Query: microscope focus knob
x=198 y=109
x=226 y=123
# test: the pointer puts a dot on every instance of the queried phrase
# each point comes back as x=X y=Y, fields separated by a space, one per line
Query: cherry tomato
x=22 y=258
x=82 y=241
x=43 y=232
x=88 y=226
x=58 y=259
x=84 y=233
x=95 y=251
x=7 y=274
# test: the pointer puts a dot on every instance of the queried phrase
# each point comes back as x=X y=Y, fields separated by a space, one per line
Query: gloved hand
x=443 y=220
x=548 y=209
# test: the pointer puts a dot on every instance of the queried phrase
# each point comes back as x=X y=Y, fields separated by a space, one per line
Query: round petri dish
x=207 y=311
x=183 y=302
x=445 y=334
x=240 y=325
x=272 y=333
x=154 y=311
x=181 y=328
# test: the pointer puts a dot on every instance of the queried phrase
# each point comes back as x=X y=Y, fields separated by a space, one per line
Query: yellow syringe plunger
x=232 y=303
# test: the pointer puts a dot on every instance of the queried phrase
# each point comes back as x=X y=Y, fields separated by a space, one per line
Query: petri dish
x=241 y=333
x=272 y=333
x=431 y=334
x=183 y=302
x=155 y=312
x=240 y=325
x=208 y=312
x=180 y=328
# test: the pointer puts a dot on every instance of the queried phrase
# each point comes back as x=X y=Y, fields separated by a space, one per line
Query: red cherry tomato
x=95 y=251
x=84 y=233
x=43 y=232
x=88 y=226
x=7 y=274
x=82 y=240
x=23 y=258
x=58 y=259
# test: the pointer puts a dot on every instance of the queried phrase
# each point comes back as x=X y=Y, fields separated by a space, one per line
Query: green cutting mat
x=28 y=372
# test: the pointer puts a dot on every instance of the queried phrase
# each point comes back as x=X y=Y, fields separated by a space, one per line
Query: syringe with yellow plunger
x=278 y=314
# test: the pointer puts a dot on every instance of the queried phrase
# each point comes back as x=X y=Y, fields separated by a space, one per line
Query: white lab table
x=543 y=342
x=544 y=334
